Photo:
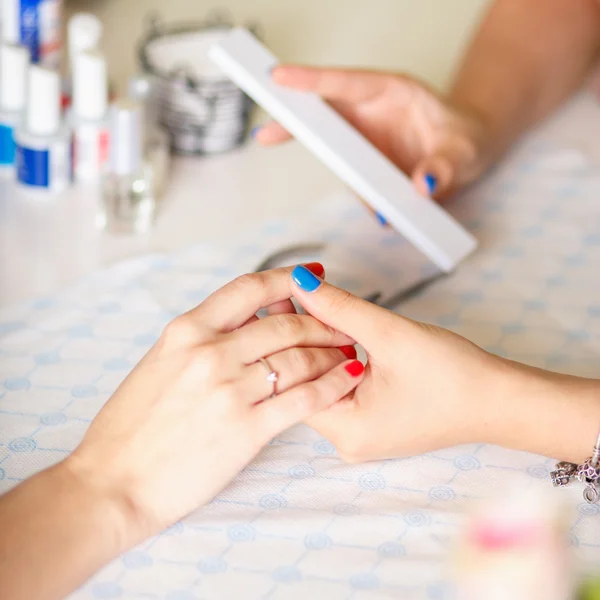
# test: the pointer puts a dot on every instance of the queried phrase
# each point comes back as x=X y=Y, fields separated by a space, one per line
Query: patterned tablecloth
x=297 y=523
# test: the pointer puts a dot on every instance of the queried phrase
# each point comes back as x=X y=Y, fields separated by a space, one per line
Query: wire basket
x=204 y=113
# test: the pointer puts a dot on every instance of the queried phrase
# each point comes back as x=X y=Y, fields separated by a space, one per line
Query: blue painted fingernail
x=431 y=182
x=304 y=279
x=382 y=220
x=254 y=131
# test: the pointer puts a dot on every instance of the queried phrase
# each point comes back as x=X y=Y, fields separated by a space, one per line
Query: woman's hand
x=434 y=143
x=426 y=388
x=197 y=408
x=190 y=416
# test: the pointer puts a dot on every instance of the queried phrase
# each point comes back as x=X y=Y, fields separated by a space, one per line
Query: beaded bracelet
x=588 y=473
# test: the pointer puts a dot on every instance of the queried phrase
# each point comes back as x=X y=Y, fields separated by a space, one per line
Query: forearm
x=55 y=533
x=545 y=413
x=526 y=59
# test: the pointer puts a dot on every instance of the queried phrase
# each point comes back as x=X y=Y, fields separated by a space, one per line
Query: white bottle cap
x=14 y=61
x=10 y=21
x=90 y=88
x=126 y=133
x=140 y=87
x=84 y=33
x=43 y=106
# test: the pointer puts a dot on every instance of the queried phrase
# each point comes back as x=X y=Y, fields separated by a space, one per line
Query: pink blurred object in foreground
x=515 y=549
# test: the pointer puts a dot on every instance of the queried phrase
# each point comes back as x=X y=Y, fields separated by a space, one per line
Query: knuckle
x=307 y=400
x=250 y=284
x=178 y=332
x=302 y=362
x=289 y=327
x=344 y=301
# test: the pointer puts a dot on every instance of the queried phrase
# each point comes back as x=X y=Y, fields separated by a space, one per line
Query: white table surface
x=48 y=243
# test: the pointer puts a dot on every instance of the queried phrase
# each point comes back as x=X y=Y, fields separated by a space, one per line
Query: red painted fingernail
x=355 y=368
x=315 y=268
x=349 y=351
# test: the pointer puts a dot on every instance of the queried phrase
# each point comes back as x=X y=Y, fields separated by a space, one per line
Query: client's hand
x=434 y=143
x=426 y=388
x=197 y=408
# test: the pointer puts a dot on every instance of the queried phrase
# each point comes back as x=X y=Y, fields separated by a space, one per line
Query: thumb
x=435 y=176
x=362 y=321
x=440 y=173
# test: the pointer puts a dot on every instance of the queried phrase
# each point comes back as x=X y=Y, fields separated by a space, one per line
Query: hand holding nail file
x=344 y=150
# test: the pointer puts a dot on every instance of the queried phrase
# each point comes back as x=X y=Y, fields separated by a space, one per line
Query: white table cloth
x=297 y=523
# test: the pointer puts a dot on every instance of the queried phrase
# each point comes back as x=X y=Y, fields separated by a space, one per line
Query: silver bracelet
x=587 y=472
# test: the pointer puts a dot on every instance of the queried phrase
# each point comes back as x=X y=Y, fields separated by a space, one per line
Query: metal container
x=202 y=110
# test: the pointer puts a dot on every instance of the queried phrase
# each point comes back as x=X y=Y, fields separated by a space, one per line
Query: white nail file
x=345 y=151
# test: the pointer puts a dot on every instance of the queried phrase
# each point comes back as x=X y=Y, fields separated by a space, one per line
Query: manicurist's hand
x=193 y=413
x=434 y=143
x=426 y=388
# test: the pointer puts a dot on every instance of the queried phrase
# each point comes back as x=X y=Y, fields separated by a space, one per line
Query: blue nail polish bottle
x=304 y=279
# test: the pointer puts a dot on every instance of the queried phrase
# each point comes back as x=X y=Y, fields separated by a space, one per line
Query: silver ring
x=272 y=377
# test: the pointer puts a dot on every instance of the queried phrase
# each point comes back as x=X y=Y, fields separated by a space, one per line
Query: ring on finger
x=272 y=376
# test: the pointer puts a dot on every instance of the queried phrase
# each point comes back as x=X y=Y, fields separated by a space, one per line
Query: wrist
x=545 y=413
x=57 y=527
x=105 y=504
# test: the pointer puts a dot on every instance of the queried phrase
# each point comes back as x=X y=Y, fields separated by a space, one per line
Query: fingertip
x=431 y=182
x=287 y=74
x=433 y=177
x=349 y=352
x=305 y=279
x=271 y=134
x=316 y=268
x=354 y=368
x=278 y=73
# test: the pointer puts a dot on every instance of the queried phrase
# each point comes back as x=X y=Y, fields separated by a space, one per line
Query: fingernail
x=304 y=279
x=431 y=182
x=355 y=368
x=349 y=351
x=315 y=268
x=254 y=131
x=382 y=220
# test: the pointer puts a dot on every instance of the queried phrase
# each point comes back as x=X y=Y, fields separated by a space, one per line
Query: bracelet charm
x=563 y=475
x=588 y=473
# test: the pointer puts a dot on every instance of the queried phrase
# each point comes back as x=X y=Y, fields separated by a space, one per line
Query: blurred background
x=386 y=34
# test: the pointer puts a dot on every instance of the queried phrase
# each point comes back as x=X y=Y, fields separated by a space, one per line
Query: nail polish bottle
x=128 y=200
x=37 y=25
x=157 y=147
x=43 y=142
x=89 y=118
x=14 y=61
x=84 y=32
